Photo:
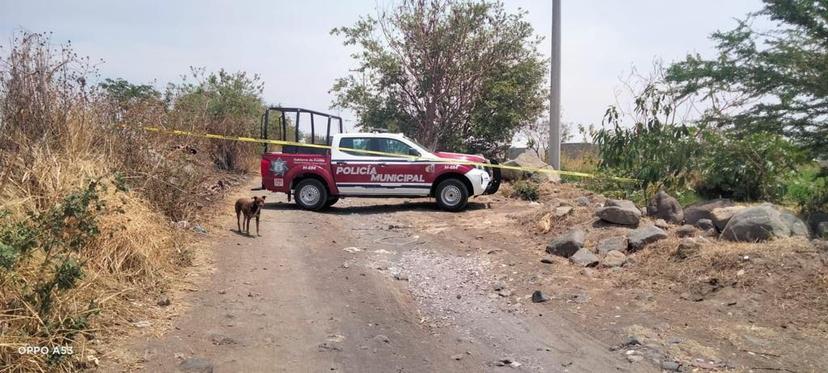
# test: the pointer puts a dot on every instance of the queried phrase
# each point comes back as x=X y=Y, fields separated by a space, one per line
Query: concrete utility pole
x=555 y=89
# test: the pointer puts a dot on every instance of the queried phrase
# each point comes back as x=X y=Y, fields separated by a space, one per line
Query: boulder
x=646 y=235
x=821 y=230
x=664 y=206
x=582 y=201
x=619 y=212
x=721 y=215
x=621 y=203
x=584 y=258
x=796 y=225
x=758 y=223
x=614 y=259
x=567 y=244
x=529 y=160
x=686 y=230
x=702 y=210
x=617 y=243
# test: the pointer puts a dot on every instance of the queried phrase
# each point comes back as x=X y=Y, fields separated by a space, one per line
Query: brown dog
x=251 y=207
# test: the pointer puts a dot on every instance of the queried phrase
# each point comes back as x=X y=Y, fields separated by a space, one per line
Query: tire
x=331 y=201
x=452 y=195
x=311 y=194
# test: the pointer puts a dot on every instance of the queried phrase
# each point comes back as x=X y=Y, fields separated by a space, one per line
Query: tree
x=450 y=73
x=537 y=136
x=223 y=103
x=125 y=93
x=772 y=80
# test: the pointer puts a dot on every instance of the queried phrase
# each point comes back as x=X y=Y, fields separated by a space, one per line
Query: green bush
x=808 y=189
x=526 y=189
x=749 y=168
x=40 y=259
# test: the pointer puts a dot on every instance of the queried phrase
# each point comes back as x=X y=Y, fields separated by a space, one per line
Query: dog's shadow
x=242 y=234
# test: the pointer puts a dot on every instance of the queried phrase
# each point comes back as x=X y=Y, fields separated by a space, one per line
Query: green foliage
x=126 y=94
x=60 y=233
x=459 y=74
x=772 y=80
x=654 y=151
x=527 y=190
x=749 y=168
x=224 y=103
x=808 y=188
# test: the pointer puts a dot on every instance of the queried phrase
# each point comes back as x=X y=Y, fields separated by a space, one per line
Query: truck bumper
x=479 y=180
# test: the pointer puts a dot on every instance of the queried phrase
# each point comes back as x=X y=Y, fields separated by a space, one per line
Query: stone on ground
x=821 y=230
x=529 y=160
x=797 y=226
x=567 y=244
x=664 y=206
x=705 y=224
x=720 y=216
x=539 y=297
x=614 y=259
x=617 y=243
x=584 y=258
x=703 y=210
x=619 y=212
x=758 y=223
x=643 y=236
x=687 y=247
x=686 y=230
x=582 y=201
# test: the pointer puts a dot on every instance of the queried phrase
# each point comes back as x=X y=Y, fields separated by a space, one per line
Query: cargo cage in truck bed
x=283 y=129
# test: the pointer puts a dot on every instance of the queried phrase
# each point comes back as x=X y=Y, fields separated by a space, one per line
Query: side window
x=392 y=146
x=355 y=143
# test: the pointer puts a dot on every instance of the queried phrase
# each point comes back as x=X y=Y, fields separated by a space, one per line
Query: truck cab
x=376 y=165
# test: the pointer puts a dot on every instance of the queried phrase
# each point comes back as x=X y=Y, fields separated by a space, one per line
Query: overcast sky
x=289 y=45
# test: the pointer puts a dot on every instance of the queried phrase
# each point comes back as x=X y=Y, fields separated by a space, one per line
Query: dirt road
x=364 y=288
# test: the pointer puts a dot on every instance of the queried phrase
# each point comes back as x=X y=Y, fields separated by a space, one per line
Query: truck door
x=370 y=174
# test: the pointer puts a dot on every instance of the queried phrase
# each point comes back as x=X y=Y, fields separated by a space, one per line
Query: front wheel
x=331 y=201
x=452 y=195
x=311 y=194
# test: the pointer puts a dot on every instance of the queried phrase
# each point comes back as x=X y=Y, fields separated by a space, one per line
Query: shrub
x=751 y=167
x=808 y=189
x=40 y=257
x=654 y=150
x=526 y=190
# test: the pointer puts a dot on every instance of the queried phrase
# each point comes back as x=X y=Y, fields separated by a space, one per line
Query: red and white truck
x=318 y=178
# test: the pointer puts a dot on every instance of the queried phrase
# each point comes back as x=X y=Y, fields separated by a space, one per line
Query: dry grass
x=56 y=135
x=786 y=274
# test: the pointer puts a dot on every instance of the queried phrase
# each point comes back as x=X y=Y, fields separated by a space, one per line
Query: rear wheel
x=452 y=195
x=311 y=194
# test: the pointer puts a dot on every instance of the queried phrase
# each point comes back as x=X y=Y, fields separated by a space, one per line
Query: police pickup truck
x=373 y=165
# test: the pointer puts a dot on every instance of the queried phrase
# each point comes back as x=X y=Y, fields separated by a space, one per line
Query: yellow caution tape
x=372 y=152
